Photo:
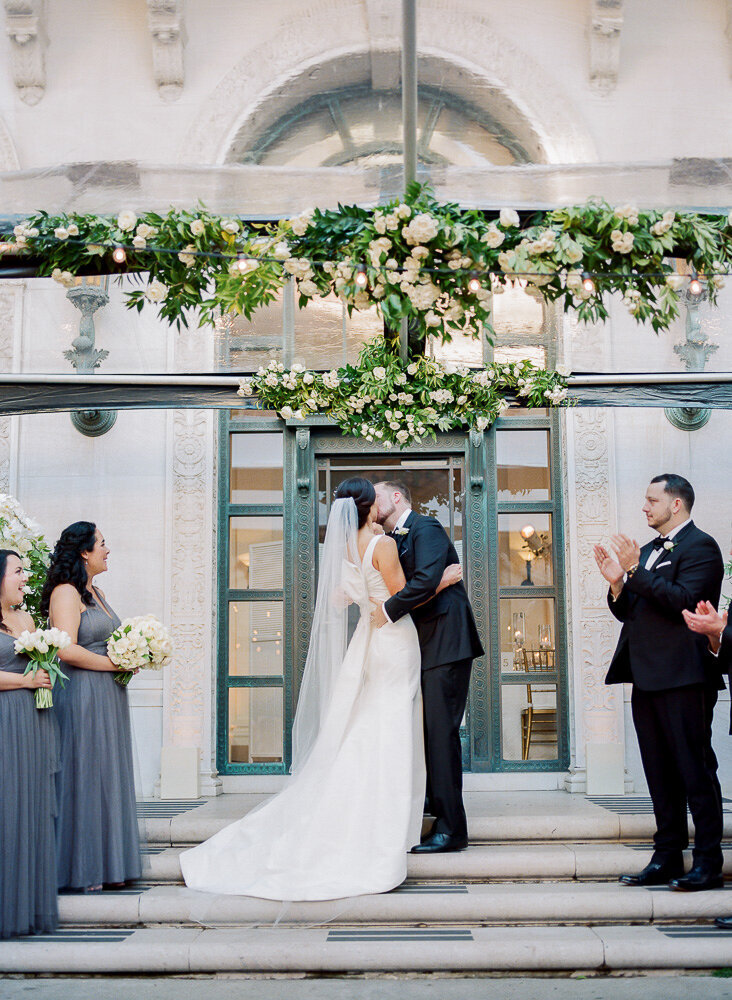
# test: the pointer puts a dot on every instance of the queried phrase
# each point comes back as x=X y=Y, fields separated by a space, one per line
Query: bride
x=353 y=807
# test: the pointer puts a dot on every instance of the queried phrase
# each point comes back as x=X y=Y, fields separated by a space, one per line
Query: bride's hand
x=453 y=574
x=378 y=529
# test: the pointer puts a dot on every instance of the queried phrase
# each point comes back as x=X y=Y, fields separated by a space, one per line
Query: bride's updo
x=362 y=493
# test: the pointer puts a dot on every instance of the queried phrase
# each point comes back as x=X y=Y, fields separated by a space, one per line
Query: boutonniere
x=401 y=531
x=669 y=546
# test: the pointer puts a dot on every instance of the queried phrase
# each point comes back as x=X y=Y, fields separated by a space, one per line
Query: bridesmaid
x=28 y=761
x=97 y=840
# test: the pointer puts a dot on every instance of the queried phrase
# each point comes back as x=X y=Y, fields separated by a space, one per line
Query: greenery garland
x=382 y=399
x=434 y=265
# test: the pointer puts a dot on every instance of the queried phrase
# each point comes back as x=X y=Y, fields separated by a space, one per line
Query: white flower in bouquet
x=141 y=642
x=41 y=647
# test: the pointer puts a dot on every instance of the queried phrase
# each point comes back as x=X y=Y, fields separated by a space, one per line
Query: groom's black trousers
x=445 y=693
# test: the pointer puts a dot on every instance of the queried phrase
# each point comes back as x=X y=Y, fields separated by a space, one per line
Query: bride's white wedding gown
x=344 y=823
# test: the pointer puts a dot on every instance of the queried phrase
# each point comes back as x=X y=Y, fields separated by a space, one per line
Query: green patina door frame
x=304 y=445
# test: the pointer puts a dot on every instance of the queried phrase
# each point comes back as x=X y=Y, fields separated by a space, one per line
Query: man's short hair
x=677 y=486
x=393 y=485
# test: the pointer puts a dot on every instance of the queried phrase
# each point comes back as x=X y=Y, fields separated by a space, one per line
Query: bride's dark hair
x=362 y=493
x=67 y=566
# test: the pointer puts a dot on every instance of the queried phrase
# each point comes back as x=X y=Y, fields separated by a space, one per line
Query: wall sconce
x=89 y=294
x=694 y=353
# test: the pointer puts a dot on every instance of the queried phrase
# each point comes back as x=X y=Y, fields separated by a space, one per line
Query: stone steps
x=536 y=891
x=346 y=950
x=512 y=861
x=415 y=904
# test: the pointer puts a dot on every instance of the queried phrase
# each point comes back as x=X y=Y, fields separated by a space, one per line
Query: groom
x=449 y=642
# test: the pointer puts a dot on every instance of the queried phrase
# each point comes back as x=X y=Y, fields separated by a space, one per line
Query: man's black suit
x=448 y=642
x=675 y=681
x=725 y=658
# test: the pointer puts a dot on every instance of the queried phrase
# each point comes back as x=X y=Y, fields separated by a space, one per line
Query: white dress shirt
x=400 y=524
x=657 y=553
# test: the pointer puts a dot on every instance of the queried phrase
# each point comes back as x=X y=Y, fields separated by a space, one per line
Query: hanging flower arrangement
x=381 y=399
x=433 y=264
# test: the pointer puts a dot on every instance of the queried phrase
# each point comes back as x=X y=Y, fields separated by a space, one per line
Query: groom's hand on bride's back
x=378 y=618
x=453 y=574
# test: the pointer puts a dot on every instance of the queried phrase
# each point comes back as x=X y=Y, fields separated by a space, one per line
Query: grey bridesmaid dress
x=28 y=763
x=97 y=839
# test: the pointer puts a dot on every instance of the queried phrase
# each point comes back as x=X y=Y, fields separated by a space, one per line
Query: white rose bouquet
x=142 y=642
x=41 y=647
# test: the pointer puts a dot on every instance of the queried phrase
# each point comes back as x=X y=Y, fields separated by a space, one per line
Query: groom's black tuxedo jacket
x=656 y=650
x=445 y=624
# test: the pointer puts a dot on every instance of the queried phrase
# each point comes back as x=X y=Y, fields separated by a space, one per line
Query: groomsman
x=717 y=629
x=674 y=676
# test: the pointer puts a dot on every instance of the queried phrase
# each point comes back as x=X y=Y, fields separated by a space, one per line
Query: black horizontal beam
x=21 y=393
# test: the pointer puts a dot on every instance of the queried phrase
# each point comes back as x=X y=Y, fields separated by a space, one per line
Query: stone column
x=598 y=709
x=190 y=683
x=597 y=715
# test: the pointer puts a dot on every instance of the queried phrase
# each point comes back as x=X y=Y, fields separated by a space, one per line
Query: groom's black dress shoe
x=655 y=873
x=724 y=922
x=440 y=843
x=700 y=877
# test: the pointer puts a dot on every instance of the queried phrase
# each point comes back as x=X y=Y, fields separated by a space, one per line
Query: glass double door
x=496 y=494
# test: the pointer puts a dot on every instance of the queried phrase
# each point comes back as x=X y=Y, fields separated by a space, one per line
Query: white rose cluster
x=41 y=643
x=622 y=242
x=301 y=222
x=545 y=242
x=664 y=224
x=423 y=228
x=140 y=642
x=629 y=213
x=23 y=232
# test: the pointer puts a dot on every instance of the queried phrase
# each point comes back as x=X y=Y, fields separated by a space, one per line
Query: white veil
x=341 y=582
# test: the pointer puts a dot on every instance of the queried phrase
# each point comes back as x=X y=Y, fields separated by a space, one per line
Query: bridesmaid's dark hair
x=363 y=494
x=67 y=566
x=4 y=553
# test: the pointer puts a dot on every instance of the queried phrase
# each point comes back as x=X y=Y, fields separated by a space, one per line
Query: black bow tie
x=658 y=543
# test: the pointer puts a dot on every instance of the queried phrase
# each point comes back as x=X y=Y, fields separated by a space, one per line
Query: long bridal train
x=352 y=810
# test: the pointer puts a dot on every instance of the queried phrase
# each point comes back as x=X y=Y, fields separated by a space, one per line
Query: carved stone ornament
x=189 y=685
x=167 y=31
x=25 y=26
x=605 y=31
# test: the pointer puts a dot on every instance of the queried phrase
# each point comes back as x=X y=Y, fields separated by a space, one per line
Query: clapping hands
x=707 y=621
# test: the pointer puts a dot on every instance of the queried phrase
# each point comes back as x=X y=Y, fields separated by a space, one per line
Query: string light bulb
x=244 y=263
x=361 y=276
x=587 y=282
x=119 y=255
x=695 y=286
x=474 y=282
